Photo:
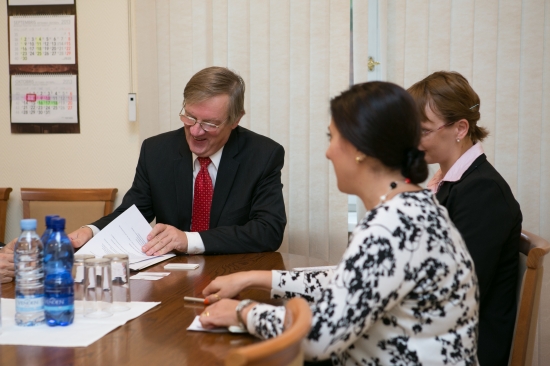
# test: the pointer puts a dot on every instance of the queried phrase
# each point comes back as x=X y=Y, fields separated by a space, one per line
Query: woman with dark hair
x=405 y=290
x=479 y=201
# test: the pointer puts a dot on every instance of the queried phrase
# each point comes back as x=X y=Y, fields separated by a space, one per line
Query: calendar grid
x=43 y=99
x=42 y=39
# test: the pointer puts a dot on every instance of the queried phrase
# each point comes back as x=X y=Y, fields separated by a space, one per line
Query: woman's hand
x=220 y=314
x=226 y=286
x=231 y=285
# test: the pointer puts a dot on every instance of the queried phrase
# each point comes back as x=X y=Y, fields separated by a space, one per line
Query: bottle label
x=28 y=304
x=59 y=303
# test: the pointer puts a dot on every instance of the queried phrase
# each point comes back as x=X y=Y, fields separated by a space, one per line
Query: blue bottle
x=29 y=276
x=58 y=283
x=46 y=234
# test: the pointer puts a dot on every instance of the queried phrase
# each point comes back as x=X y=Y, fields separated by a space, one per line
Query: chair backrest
x=78 y=206
x=4 y=196
x=282 y=350
x=535 y=248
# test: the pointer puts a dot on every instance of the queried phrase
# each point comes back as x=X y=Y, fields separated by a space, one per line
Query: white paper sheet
x=196 y=326
x=181 y=266
x=125 y=234
x=81 y=333
x=149 y=262
x=150 y=276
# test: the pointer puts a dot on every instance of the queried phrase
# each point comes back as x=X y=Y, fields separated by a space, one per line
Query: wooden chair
x=535 y=248
x=78 y=206
x=4 y=196
x=282 y=350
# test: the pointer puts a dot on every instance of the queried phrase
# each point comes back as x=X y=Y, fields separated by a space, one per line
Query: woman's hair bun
x=414 y=166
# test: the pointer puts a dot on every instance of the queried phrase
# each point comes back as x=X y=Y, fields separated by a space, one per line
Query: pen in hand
x=196 y=299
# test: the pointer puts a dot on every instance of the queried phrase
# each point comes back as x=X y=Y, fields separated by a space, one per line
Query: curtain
x=293 y=57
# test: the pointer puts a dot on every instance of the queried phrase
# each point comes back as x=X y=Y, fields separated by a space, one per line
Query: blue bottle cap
x=28 y=224
x=49 y=220
x=58 y=223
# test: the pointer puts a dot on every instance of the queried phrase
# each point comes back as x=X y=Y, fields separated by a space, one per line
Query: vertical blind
x=293 y=57
x=503 y=48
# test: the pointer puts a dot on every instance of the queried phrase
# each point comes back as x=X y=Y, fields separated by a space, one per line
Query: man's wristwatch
x=243 y=304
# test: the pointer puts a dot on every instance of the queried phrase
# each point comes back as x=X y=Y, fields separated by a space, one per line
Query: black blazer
x=484 y=210
x=248 y=211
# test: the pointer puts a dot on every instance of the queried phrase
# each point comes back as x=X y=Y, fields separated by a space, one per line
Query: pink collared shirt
x=457 y=170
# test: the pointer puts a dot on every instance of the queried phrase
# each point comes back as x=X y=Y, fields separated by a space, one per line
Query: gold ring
x=206 y=313
x=216 y=296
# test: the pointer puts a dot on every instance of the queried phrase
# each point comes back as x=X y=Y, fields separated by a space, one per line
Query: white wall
x=105 y=152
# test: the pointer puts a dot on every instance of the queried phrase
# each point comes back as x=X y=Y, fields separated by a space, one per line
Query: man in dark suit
x=213 y=186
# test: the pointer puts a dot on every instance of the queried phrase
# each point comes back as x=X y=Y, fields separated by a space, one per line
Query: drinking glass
x=120 y=274
x=78 y=277
x=98 y=297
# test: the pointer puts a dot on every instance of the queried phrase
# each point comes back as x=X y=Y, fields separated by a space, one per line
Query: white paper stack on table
x=125 y=234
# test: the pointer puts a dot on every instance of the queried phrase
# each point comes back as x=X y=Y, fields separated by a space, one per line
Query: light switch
x=132 y=107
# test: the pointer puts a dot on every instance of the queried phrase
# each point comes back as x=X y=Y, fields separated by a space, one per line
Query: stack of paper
x=125 y=234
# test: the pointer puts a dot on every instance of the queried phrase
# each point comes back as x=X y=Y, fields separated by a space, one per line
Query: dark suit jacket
x=484 y=210
x=247 y=213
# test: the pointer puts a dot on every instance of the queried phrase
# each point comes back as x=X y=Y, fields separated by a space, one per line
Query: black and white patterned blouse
x=404 y=293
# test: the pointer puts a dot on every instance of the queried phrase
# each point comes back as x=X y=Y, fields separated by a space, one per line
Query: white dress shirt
x=195 y=244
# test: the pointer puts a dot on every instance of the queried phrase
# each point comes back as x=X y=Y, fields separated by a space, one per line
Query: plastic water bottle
x=48 y=231
x=58 y=283
x=29 y=276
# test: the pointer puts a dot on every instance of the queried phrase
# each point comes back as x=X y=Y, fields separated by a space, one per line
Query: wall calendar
x=44 y=98
x=42 y=39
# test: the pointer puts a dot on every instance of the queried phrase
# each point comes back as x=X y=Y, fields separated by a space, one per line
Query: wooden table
x=159 y=337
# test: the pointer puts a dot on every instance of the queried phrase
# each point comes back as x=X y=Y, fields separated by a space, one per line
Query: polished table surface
x=159 y=337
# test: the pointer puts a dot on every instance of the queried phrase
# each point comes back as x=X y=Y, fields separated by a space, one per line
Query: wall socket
x=132 y=109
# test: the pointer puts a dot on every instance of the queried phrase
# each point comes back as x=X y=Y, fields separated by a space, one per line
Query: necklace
x=383 y=198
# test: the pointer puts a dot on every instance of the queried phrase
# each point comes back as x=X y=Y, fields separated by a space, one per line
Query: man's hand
x=79 y=237
x=7 y=269
x=163 y=239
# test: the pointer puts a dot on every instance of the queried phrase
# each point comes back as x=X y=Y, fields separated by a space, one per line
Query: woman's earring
x=457 y=140
x=359 y=159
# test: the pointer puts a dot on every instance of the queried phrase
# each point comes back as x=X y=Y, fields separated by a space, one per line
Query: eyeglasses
x=191 y=121
x=426 y=132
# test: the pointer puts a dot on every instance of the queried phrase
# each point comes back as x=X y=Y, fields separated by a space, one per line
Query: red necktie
x=202 y=199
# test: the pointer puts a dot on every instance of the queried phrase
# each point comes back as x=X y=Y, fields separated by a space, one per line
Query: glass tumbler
x=120 y=275
x=97 y=288
x=78 y=277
